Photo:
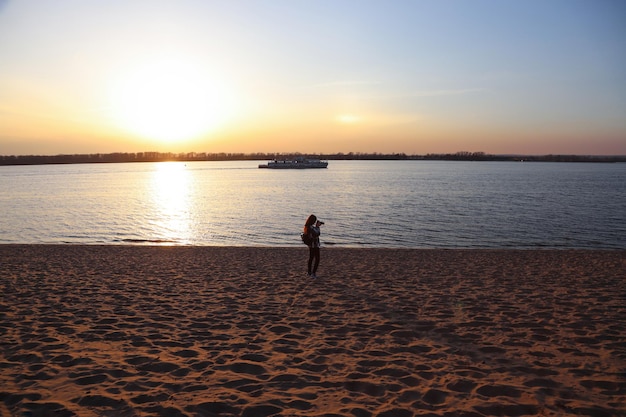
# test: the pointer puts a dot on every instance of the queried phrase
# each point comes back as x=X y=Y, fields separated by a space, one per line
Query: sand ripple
x=145 y=331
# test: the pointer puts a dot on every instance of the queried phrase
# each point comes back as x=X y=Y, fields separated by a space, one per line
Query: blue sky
x=528 y=76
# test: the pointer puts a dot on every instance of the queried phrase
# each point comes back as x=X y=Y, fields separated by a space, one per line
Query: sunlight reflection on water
x=416 y=204
x=171 y=190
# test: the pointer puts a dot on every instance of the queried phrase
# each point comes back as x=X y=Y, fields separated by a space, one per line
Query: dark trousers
x=314 y=255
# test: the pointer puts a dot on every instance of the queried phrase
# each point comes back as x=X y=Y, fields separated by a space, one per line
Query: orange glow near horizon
x=104 y=77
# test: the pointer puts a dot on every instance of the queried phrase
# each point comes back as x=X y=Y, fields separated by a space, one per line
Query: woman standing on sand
x=312 y=229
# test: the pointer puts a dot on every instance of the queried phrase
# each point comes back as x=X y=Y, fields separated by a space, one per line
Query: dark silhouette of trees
x=119 y=157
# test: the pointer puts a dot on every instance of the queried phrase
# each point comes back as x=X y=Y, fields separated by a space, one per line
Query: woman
x=312 y=229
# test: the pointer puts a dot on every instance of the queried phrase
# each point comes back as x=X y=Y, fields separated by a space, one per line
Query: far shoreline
x=126 y=157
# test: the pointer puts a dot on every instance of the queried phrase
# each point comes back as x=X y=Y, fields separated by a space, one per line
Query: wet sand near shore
x=232 y=331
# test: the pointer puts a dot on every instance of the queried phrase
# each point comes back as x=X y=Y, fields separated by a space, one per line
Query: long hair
x=309 y=222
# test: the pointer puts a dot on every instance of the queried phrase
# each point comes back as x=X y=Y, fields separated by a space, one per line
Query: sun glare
x=348 y=119
x=168 y=101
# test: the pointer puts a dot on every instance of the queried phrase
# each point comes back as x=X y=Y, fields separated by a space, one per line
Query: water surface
x=414 y=204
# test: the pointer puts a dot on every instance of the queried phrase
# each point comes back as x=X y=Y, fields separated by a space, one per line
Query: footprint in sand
x=91 y=380
x=186 y=353
x=213 y=408
x=159 y=367
x=499 y=391
x=145 y=398
x=99 y=401
x=248 y=368
x=462 y=385
x=435 y=397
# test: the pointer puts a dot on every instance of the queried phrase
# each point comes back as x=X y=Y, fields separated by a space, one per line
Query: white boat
x=298 y=163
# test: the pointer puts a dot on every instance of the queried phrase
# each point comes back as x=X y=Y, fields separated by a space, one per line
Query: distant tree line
x=481 y=156
x=204 y=156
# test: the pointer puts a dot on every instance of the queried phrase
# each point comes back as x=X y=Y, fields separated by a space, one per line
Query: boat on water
x=298 y=163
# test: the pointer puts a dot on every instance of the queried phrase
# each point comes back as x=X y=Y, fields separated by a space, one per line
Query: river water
x=401 y=204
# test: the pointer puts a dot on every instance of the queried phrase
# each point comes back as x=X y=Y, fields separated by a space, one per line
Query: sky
x=325 y=76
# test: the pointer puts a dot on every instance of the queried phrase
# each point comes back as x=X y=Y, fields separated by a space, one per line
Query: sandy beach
x=223 y=331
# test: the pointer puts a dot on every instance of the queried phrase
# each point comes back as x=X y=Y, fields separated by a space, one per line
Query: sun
x=168 y=100
x=347 y=119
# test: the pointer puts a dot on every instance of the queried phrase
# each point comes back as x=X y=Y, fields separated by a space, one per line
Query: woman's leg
x=316 y=254
x=311 y=256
